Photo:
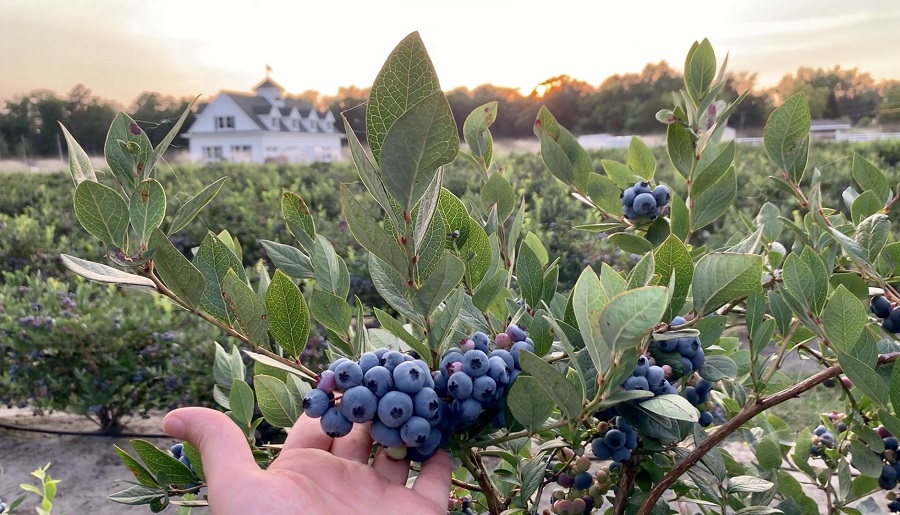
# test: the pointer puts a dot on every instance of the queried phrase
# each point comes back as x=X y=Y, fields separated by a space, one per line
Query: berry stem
x=475 y=467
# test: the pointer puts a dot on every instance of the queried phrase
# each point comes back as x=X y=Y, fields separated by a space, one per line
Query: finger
x=222 y=446
x=433 y=481
x=395 y=471
x=307 y=434
x=356 y=446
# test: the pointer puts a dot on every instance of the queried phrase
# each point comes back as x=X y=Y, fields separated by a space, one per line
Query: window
x=295 y=124
x=240 y=148
x=274 y=122
x=212 y=153
x=313 y=126
x=224 y=122
x=329 y=126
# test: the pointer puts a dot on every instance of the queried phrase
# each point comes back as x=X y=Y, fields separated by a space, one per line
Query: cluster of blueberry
x=579 y=492
x=639 y=201
x=889 y=313
x=683 y=355
x=413 y=410
x=698 y=395
x=177 y=451
x=822 y=439
x=616 y=442
x=890 y=470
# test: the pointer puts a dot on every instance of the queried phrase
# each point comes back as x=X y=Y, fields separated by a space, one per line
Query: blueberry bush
x=611 y=396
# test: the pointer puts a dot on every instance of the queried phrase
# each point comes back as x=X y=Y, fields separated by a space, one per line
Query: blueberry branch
x=747 y=412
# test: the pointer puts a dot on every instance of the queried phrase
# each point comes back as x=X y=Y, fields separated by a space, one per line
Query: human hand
x=313 y=473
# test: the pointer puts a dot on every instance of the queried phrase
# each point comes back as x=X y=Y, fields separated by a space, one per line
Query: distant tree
x=833 y=93
x=889 y=110
x=565 y=98
x=351 y=102
x=156 y=113
x=754 y=110
x=89 y=118
x=628 y=103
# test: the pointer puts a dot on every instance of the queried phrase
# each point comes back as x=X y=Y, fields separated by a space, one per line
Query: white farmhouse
x=263 y=127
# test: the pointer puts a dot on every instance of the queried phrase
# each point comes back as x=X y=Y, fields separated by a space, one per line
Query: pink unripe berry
x=582 y=464
x=467 y=345
x=651 y=360
x=578 y=506
x=667 y=370
x=503 y=340
x=454 y=367
x=326 y=381
x=568 y=453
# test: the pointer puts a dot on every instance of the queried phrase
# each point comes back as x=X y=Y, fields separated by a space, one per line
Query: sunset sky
x=119 y=48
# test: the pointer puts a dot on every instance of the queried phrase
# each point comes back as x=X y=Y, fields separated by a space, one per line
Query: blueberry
x=894 y=506
x=628 y=196
x=678 y=321
x=689 y=346
x=347 y=375
x=337 y=362
x=368 y=360
x=690 y=393
x=326 y=381
x=565 y=480
x=480 y=338
x=379 y=381
x=703 y=386
x=507 y=357
x=440 y=383
x=503 y=340
x=316 y=403
x=384 y=435
x=881 y=306
x=408 y=377
x=483 y=389
x=698 y=360
x=583 y=481
x=450 y=357
x=475 y=363
x=706 y=418
x=827 y=439
x=614 y=439
x=621 y=455
x=641 y=187
x=427 y=448
x=662 y=196
x=643 y=364
x=631 y=439
x=820 y=430
x=518 y=347
x=891 y=443
x=629 y=213
x=426 y=403
x=892 y=322
x=177 y=449
x=644 y=204
x=600 y=449
x=515 y=332
x=636 y=383
x=459 y=385
x=391 y=359
x=655 y=377
x=623 y=425
x=359 y=404
x=395 y=408
x=467 y=410
x=415 y=431
x=381 y=352
x=889 y=472
x=186 y=462
x=498 y=369
x=667 y=345
x=688 y=367
x=886 y=483
x=334 y=424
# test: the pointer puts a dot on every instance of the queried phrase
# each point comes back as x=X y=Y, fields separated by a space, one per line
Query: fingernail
x=173 y=426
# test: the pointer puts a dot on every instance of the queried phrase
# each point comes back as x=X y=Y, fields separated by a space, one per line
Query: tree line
x=622 y=104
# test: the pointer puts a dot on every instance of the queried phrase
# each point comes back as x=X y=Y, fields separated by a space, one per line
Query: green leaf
x=786 y=137
x=140 y=472
x=127 y=153
x=864 y=378
x=844 y=319
x=193 y=456
x=134 y=495
x=104 y=274
x=749 y=484
x=717 y=367
x=247 y=309
x=189 y=209
x=214 y=259
x=680 y=217
x=629 y=315
x=643 y=271
x=158 y=461
x=390 y=286
x=561 y=152
x=865 y=205
x=368 y=173
x=529 y=275
x=475 y=253
x=611 y=281
x=715 y=201
x=406 y=78
x=680 y=146
x=619 y=173
x=531 y=475
x=330 y=270
x=870 y=178
x=289 y=260
x=628 y=242
x=673 y=407
x=241 y=402
x=713 y=171
x=864 y=460
x=331 y=311
x=895 y=389
x=673 y=258
x=768 y=454
x=723 y=277
x=529 y=403
x=498 y=192
x=443 y=279
x=588 y=298
x=806 y=278
x=80 y=165
x=179 y=275
x=288 y=314
x=854 y=251
x=276 y=403
x=640 y=159
x=872 y=235
x=170 y=136
x=396 y=328
x=298 y=218
x=699 y=69
x=420 y=140
x=534 y=241
x=102 y=212
x=564 y=394
x=426 y=210
x=370 y=235
x=272 y=363
x=476 y=133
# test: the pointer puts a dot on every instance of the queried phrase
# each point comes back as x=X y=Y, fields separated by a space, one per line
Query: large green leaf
x=713 y=171
x=699 y=69
x=370 y=235
x=102 y=212
x=241 y=403
x=127 y=151
x=390 y=286
x=680 y=146
x=276 y=403
x=806 y=279
x=158 y=461
x=865 y=378
x=147 y=208
x=406 y=78
x=288 y=314
x=425 y=211
x=443 y=279
x=421 y=140
x=588 y=298
x=214 y=259
x=844 y=319
x=786 y=137
x=619 y=173
x=105 y=274
x=331 y=311
x=140 y=472
x=330 y=270
x=289 y=259
x=80 y=165
x=561 y=152
x=870 y=178
x=564 y=394
x=246 y=308
x=640 y=159
x=715 y=201
x=476 y=133
x=672 y=406
x=872 y=235
x=498 y=192
x=298 y=219
x=673 y=258
x=723 y=277
x=189 y=209
x=178 y=274
x=529 y=275
x=529 y=403
x=475 y=252
x=629 y=315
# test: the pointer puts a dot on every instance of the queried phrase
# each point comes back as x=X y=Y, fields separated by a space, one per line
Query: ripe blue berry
x=583 y=481
x=391 y=359
x=459 y=385
x=655 y=377
x=678 y=321
x=395 y=408
x=334 y=424
x=629 y=212
x=628 y=196
x=661 y=194
x=698 y=360
x=316 y=403
x=498 y=369
x=415 y=431
x=381 y=352
x=177 y=449
x=359 y=404
x=688 y=366
x=483 y=389
x=614 y=439
x=706 y=418
x=467 y=410
x=667 y=345
x=440 y=383
x=186 y=462
x=621 y=455
x=644 y=204
x=347 y=375
x=379 y=381
x=426 y=403
x=641 y=187
x=368 y=360
x=450 y=357
x=636 y=383
x=507 y=357
x=517 y=348
x=820 y=430
x=515 y=332
x=336 y=362
x=690 y=393
x=427 y=448
x=689 y=346
x=889 y=443
x=600 y=449
x=475 y=363
x=827 y=438
x=881 y=306
x=384 y=435
x=894 y=506
x=408 y=377
x=631 y=439
x=643 y=364
x=480 y=338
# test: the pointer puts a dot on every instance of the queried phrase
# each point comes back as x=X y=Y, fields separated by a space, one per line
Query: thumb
x=222 y=445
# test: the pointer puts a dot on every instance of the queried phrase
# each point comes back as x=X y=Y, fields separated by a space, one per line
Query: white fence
x=841 y=136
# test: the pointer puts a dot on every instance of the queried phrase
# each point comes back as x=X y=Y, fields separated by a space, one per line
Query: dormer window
x=295 y=124
x=224 y=122
x=329 y=126
x=312 y=125
x=274 y=122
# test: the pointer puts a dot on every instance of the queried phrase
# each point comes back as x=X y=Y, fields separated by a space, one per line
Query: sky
x=120 y=48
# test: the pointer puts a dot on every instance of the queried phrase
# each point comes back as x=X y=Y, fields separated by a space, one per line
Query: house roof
x=254 y=106
x=268 y=83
